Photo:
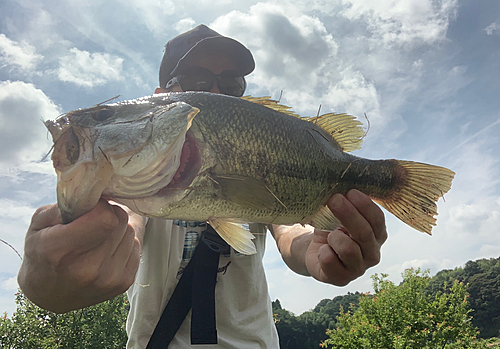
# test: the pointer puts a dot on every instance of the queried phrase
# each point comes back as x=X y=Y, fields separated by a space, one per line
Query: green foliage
x=332 y=307
x=309 y=329
x=98 y=326
x=483 y=278
x=405 y=316
x=289 y=330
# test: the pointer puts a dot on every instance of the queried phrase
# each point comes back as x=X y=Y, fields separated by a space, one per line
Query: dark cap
x=183 y=48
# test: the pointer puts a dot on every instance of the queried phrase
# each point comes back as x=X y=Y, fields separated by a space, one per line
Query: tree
x=300 y=332
x=288 y=328
x=483 y=278
x=332 y=307
x=405 y=316
x=98 y=326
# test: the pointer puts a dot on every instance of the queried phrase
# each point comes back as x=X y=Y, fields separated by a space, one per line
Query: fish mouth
x=80 y=180
x=189 y=166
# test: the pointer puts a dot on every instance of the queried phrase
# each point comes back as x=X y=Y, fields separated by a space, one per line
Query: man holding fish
x=111 y=249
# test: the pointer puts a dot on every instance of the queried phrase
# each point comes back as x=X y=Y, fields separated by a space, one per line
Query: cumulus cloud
x=20 y=55
x=154 y=13
x=312 y=66
x=90 y=69
x=184 y=25
x=23 y=136
x=401 y=22
x=10 y=284
x=291 y=49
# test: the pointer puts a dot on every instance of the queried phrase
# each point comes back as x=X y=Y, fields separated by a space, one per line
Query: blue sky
x=426 y=73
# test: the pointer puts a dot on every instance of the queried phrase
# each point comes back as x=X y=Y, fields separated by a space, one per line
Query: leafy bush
x=405 y=316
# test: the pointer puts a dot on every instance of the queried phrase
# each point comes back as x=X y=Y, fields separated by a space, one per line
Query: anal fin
x=235 y=235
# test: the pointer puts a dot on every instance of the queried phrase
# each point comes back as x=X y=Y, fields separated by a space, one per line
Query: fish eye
x=103 y=114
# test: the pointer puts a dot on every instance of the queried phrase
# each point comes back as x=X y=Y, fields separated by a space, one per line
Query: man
x=98 y=256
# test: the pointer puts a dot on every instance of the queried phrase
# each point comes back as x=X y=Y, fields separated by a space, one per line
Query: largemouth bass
x=208 y=157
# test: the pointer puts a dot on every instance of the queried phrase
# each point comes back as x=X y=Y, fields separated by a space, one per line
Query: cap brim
x=219 y=46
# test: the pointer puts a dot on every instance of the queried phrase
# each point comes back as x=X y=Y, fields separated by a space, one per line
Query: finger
x=358 y=227
x=121 y=231
x=44 y=217
x=114 y=275
x=320 y=236
x=331 y=269
x=371 y=212
x=132 y=266
x=88 y=231
x=124 y=248
x=348 y=251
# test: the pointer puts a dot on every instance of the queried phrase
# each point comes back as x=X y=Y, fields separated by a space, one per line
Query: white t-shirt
x=243 y=306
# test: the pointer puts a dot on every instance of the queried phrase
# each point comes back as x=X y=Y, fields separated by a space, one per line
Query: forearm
x=293 y=242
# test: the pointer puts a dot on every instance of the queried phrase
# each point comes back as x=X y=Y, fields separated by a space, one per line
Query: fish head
x=124 y=150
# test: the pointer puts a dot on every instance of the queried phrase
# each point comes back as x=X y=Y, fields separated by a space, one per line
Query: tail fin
x=415 y=202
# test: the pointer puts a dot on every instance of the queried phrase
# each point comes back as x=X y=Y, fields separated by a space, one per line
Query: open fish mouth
x=189 y=166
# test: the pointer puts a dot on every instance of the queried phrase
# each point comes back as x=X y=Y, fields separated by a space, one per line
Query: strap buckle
x=214 y=241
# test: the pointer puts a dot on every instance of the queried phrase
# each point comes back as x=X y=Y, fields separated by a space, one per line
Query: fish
x=199 y=156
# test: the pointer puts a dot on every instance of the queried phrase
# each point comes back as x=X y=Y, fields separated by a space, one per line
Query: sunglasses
x=229 y=82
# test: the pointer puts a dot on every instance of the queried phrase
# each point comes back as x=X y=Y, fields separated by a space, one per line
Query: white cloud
x=353 y=93
x=23 y=136
x=10 y=209
x=10 y=284
x=416 y=263
x=291 y=50
x=90 y=69
x=184 y=25
x=20 y=55
x=154 y=13
x=400 y=22
x=493 y=28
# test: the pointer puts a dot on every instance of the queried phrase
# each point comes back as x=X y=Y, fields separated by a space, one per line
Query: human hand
x=340 y=256
x=75 y=265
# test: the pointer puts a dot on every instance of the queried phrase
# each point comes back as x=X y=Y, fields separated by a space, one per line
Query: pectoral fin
x=246 y=191
x=238 y=238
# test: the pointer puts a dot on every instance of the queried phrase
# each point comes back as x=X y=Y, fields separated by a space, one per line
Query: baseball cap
x=183 y=48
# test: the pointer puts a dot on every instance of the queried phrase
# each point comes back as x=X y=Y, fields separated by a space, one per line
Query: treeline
x=482 y=278
x=444 y=311
x=101 y=326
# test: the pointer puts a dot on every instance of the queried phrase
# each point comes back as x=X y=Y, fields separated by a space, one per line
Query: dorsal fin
x=272 y=104
x=344 y=128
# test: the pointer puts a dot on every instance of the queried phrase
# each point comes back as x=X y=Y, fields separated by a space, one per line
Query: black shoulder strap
x=196 y=290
